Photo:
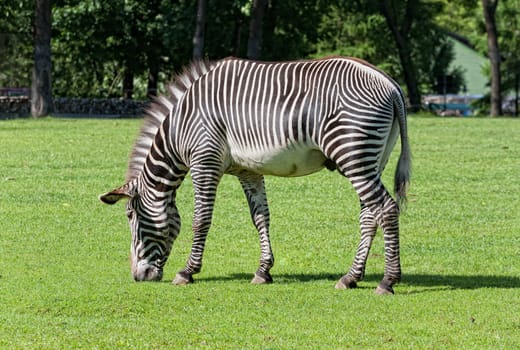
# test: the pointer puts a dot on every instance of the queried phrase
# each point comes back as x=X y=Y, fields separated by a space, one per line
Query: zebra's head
x=153 y=227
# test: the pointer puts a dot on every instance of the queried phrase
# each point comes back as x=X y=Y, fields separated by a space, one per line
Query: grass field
x=65 y=279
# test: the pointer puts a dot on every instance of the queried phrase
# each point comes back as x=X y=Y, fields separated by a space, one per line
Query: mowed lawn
x=65 y=279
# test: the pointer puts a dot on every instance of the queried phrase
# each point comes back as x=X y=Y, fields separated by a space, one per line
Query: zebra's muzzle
x=147 y=272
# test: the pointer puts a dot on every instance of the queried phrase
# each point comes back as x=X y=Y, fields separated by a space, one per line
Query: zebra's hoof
x=346 y=282
x=384 y=290
x=262 y=278
x=182 y=279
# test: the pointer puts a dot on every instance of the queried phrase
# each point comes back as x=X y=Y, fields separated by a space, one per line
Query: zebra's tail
x=403 y=170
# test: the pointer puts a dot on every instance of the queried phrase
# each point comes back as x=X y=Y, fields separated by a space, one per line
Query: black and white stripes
x=251 y=119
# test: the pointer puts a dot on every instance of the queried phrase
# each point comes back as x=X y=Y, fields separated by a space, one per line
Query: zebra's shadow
x=436 y=281
x=451 y=281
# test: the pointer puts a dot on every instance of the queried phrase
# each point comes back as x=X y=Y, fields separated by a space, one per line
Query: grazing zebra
x=251 y=119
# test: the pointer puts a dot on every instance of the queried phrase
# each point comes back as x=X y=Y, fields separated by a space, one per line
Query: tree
x=105 y=48
x=401 y=27
x=254 y=44
x=466 y=19
x=16 y=43
x=463 y=17
x=198 y=37
x=400 y=37
x=102 y=48
x=291 y=28
x=509 y=43
x=490 y=7
x=41 y=90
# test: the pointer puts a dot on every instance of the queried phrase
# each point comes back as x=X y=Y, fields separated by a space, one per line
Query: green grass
x=65 y=276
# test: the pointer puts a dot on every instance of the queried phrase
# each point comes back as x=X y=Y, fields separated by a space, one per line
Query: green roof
x=471 y=63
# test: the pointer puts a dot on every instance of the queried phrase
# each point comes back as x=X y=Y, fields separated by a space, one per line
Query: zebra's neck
x=162 y=171
x=159 y=111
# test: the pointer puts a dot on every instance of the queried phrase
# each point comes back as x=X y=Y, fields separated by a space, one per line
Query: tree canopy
x=128 y=47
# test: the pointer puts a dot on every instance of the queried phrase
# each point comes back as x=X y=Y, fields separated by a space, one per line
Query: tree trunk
x=517 y=88
x=490 y=7
x=41 y=89
x=128 y=84
x=237 y=31
x=198 y=37
x=153 y=78
x=405 y=51
x=254 y=44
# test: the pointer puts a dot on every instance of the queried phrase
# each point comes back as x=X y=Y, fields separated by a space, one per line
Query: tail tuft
x=403 y=170
x=402 y=179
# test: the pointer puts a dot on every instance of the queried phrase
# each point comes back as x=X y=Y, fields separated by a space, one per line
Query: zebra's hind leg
x=254 y=189
x=390 y=225
x=205 y=182
x=368 y=225
x=385 y=211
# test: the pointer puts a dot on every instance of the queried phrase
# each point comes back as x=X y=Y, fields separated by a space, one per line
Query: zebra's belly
x=282 y=162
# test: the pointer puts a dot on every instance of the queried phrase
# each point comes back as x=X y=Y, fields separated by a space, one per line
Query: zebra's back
x=272 y=117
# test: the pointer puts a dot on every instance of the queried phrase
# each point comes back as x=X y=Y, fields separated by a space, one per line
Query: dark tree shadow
x=416 y=280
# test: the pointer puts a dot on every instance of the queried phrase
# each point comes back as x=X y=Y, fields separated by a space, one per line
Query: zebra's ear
x=128 y=190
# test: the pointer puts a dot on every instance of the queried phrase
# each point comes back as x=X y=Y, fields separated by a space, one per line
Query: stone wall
x=19 y=106
x=14 y=106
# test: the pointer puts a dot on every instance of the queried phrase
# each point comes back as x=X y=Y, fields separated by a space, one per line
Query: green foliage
x=362 y=31
x=509 y=16
x=15 y=37
x=98 y=41
x=465 y=18
x=140 y=35
x=95 y=42
x=290 y=31
x=348 y=34
x=227 y=28
x=65 y=277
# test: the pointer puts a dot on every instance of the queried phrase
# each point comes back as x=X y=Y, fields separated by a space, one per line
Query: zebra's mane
x=158 y=110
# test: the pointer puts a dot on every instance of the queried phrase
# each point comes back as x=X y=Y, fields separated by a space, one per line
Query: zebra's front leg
x=368 y=225
x=205 y=184
x=254 y=189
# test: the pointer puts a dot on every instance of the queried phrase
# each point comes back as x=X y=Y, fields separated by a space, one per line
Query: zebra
x=250 y=119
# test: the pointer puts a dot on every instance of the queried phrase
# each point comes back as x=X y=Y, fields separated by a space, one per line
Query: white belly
x=284 y=162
